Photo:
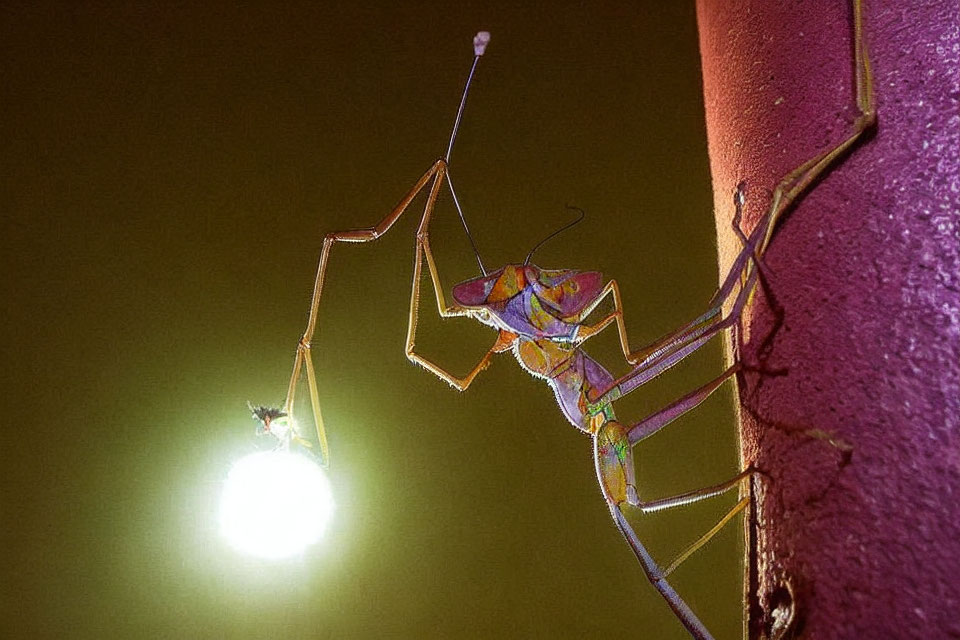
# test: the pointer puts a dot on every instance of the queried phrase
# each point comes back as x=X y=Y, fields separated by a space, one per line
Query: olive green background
x=168 y=174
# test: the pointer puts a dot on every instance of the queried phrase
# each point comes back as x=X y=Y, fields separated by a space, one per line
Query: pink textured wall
x=853 y=414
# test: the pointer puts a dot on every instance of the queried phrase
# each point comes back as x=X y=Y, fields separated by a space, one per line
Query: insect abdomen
x=571 y=374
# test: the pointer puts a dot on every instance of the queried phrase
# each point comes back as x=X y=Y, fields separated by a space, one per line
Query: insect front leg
x=303 y=358
x=796 y=181
x=667 y=351
x=695 y=333
x=424 y=253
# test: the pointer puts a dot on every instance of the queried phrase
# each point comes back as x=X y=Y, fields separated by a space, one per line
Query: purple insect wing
x=492 y=289
x=568 y=292
x=563 y=291
x=473 y=293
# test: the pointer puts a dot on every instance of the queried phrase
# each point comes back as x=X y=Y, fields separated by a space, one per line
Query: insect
x=543 y=317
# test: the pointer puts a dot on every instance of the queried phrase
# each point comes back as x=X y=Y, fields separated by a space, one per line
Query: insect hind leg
x=657 y=577
x=615 y=471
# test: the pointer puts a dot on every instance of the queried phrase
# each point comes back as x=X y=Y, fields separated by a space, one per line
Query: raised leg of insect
x=612 y=289
x=687 y=332
x=712 y=317
x=614 y=464
x=303 y=357
x=423 y=253
x=437 y=172
x=694 y=335
x=667 y=351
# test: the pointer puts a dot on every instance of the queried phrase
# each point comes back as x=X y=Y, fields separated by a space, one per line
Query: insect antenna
x=479 y=46
x=557 y=232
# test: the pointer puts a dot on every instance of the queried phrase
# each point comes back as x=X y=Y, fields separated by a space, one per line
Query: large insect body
x=536 y=311
x=532 y=302
x=541 y=315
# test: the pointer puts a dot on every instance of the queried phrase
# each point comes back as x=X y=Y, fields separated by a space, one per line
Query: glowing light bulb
x=275 y=504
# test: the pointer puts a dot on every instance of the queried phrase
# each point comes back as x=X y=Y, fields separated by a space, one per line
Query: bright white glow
x=275 y=504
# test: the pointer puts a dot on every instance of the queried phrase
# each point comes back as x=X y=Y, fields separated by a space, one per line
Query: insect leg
x=688 y=332
x=424 y=253
x=712 y=320
x=303 y=358
x=694 y=496
x=692 y=329
x=667 y=351
x=705 y=538
x=671 y=354
x=656 y=421
x=796 y=181
x=614 y=464
x=657 y=577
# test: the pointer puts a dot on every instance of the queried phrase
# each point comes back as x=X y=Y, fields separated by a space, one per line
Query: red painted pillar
x=852 y=410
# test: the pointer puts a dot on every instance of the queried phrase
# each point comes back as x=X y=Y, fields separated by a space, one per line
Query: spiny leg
x=693 y=336
x=687 y=332
x=303 y=358
x=697 y=495
x=612 y=289
x=667 y=352
x=656 y=358
x=689 y=497
x=424 y=252
x=667 y=358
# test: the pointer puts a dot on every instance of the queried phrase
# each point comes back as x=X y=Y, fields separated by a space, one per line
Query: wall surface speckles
x=854 y=415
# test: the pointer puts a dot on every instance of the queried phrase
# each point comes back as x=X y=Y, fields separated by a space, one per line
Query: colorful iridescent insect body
x=543 y=317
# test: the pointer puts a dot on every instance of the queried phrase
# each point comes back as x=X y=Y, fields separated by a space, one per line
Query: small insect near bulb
x=276 y=503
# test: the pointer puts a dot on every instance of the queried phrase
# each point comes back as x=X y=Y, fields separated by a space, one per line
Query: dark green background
x=168 y=175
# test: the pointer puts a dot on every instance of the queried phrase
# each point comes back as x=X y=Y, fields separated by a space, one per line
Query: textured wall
x=853 y=413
